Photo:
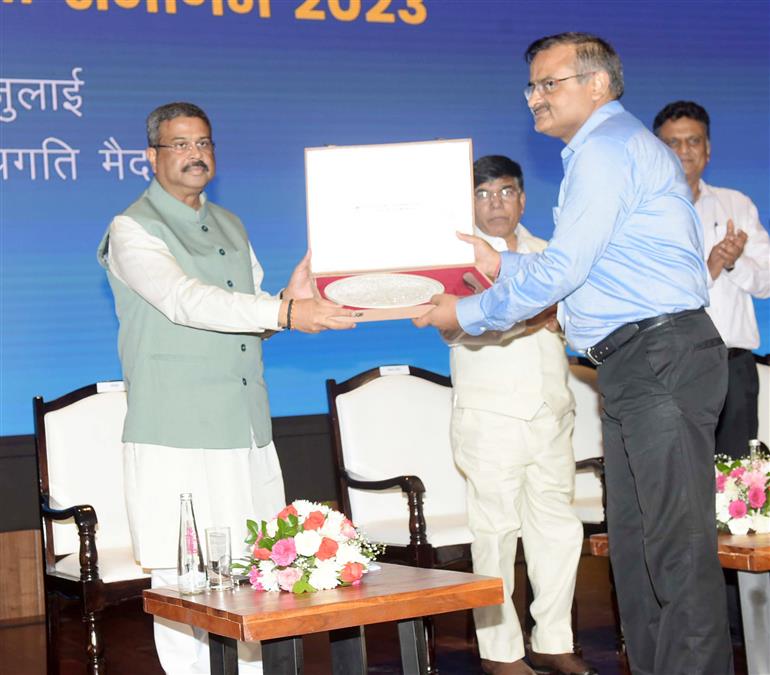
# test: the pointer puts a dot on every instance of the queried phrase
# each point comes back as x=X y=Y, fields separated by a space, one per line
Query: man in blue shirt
x=626 y=264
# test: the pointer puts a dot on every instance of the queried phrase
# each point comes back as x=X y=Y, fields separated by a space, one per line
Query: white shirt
x=146 y=265
x=731 y=308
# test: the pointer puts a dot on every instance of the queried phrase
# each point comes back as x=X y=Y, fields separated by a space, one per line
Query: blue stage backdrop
x=276 y=76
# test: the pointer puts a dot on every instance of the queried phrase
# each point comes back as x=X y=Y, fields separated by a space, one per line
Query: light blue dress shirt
x=627 y=243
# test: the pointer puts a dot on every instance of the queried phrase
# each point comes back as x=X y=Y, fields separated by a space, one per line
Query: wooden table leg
x=414 y=650
x=223 y=655
x=283 y=656
x=754 y=589
x=348 y=651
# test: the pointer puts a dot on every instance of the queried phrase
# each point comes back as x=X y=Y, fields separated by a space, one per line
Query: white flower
x=350 y=553
x=740 y=525
x=731 y=488
x=333 y=525
x=324 y=576
x=268 y=577
x=760 y=523
x=272 y=527
x=304 y=507
x=723 y=504
x=307 y=543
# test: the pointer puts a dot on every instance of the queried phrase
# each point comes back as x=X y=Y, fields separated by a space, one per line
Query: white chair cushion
x=85 y=466
x=115 y=564
x=587 y=441
x=400 y=425
x=763 y=403
x=442 y=530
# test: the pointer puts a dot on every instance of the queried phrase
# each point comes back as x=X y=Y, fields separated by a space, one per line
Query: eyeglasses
x=690 y=142
x=550 y=84
x=507 y=194
x=183 y=147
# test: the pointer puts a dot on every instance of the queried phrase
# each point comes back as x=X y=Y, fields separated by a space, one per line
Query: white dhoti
x=227 y=486
x=520 y=476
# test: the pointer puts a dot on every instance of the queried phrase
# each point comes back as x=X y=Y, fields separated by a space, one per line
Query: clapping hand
x=726 y=252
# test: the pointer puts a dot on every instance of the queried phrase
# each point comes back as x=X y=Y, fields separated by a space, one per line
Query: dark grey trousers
x=738 y=421
x=662 y=395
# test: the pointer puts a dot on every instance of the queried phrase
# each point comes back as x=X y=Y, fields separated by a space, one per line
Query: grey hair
x=171 y=111
x=593 y=53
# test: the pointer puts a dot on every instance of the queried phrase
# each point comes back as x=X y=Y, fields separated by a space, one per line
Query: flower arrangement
x=743 y=494
x=307 y=547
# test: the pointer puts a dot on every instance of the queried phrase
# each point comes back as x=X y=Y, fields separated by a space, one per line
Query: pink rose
x=327 y=549
x=348 y=530
x=737 y=473
x=754 y=479
x=314 y=521
x=352 y=572
x=757 y=497
x=721 y=480
x=288 y=577
x=737 y=508
x=254 y=575
x=284 y=552
x=284 y=514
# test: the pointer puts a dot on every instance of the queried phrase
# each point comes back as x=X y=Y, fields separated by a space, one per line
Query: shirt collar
x=704 y=190
x=497 y=243
x=172 y=205
x=597 y=117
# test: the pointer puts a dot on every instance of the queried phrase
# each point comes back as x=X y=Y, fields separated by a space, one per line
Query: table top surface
x=392 y=593
x=746 y=552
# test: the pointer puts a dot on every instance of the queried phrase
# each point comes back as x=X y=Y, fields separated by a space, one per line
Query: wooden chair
x=86 y=538
x=396 y=476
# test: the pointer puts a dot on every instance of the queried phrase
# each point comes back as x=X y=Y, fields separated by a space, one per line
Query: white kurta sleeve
x=145 y=264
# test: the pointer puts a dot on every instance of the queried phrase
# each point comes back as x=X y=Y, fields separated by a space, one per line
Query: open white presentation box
x=392 y=208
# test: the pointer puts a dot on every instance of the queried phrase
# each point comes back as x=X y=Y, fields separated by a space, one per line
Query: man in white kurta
x=192 y=317
x=737 y=250
x=512 y=424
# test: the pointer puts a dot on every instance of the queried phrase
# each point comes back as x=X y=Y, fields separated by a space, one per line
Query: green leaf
x=302 y=585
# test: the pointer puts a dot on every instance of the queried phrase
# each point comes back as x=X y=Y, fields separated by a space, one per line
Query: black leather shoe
x=560 y=664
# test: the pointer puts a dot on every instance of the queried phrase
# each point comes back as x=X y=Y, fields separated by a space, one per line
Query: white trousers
x=520 y=476
x=228 y=486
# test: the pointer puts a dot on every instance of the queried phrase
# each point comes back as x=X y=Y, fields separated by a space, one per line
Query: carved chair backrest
x=396 y=421
x=80 y=461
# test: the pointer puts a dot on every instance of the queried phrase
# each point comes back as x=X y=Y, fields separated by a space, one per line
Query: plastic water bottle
x=754 y=448
x=190 y=569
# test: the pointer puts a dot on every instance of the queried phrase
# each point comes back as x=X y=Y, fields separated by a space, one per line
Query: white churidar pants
x=520 y=476
x=227 y=486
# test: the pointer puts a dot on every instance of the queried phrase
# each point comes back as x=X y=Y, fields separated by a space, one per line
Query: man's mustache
x=537 y=108
x=196 y=163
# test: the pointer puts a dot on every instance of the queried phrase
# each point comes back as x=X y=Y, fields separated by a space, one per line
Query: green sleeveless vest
x=186 y=387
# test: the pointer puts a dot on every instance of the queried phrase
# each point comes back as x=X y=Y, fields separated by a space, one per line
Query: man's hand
x=300 y=284
x=312 y=315
x=545 y=319
x=726 y=252
x=443 y=316
x=487 y=259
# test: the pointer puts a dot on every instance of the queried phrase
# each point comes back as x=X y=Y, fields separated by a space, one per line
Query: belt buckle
x=591 y=357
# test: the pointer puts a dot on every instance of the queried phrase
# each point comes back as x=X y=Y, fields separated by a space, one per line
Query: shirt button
x=221 y=251
x=229 y=283
x=244 y=381
x=205 y=228
x=243 y=348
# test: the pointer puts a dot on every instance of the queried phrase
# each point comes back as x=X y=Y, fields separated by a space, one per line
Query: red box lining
x=450 y=277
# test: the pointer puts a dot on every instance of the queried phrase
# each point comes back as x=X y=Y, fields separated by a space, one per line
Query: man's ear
x=708 y=151
x=600 y=85
x=152 y=158
x=523 y=198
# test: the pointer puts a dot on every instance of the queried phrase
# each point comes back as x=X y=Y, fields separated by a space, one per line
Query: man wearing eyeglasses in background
x=192 y=318
x=512 y=422
x=737 y=250
x=626 y=262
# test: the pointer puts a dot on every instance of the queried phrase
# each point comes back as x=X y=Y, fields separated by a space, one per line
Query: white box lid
x=389 y=206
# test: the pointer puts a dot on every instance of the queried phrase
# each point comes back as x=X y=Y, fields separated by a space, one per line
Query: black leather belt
x=617 y=338
x=732 y=352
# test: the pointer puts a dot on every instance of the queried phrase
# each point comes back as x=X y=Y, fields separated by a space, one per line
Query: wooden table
x=278 y=620
x=750 y=555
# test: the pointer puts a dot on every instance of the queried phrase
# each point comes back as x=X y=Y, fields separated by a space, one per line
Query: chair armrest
x=414 y=489
x=408 y=484
x=596 y=464
x=85 y=519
